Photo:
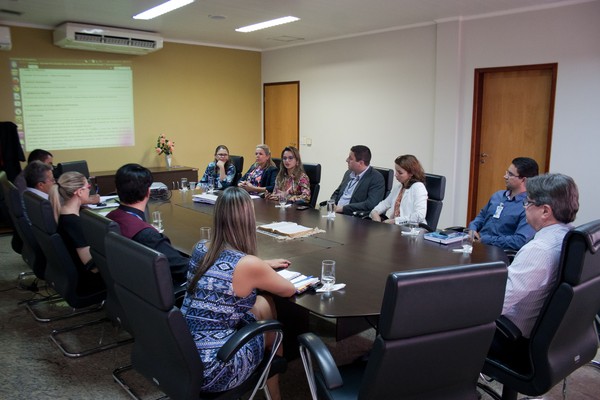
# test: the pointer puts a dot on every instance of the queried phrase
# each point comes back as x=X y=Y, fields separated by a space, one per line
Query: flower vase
x=168 y=158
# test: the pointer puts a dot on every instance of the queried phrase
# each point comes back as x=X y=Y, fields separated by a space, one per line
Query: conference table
x=366 y=252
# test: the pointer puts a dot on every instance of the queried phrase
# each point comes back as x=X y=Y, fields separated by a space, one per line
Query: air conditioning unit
x=5 y=42
x=72 y=35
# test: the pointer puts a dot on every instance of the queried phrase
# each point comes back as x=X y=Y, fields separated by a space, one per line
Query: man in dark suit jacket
x=362 y=187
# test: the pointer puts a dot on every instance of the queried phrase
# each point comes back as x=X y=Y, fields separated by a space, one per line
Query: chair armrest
x=320 y=353
x=426 y=227
x=455 y=228
x=323 y=203
x=361 y=214
x=508 y=328
x=244 y=335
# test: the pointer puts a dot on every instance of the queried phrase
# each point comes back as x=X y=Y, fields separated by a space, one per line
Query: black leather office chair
x=564 y=337
x=62 y=275
x=436 y=189
x=313 y=171
x=432 y=342
x=78 y=166
x=277 y=161
x=238 y=163
x=388 y=176
x=30 y=252
x=164 y=350
x=95 y=228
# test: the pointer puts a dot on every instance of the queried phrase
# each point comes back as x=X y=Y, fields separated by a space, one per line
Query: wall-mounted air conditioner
x=101 y=38
x=5 y=42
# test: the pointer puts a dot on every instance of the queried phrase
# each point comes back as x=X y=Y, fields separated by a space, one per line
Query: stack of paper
x=205 y=198
x=300 y=282
x=442 y=238
x=290 y=229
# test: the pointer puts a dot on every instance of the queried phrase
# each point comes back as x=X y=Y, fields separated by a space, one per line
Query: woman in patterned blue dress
x=222 y=293
x=221 y=171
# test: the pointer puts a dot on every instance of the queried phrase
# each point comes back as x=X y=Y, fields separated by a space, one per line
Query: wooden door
x=512 y=117
x=281 y=115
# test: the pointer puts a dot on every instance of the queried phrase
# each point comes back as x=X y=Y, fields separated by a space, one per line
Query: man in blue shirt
x=502 y=221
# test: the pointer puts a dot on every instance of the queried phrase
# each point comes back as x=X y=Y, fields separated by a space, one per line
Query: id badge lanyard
x=499 y=210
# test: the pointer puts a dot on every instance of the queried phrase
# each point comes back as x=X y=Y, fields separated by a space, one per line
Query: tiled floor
x=32 y=367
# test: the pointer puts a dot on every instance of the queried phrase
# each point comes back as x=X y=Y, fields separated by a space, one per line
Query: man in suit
x=362 y=187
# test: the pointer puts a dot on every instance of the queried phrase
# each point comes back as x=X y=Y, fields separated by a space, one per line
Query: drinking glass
x=205 y=234
x=413 y=223
x=157 y=221
x=328 y=274
x=467 y=241
x=211 y=184
x=331 y=209
x=192 y=186
x=282 y=200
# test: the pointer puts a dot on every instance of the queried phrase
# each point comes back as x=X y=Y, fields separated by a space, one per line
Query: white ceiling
x=320 y=19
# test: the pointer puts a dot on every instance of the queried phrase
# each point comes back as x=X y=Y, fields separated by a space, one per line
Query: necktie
x=397 y=203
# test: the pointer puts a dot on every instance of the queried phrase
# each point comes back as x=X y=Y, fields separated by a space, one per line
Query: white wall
x=411 y=91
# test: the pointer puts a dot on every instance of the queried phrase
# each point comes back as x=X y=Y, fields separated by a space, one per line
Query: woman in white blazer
x=410 y=197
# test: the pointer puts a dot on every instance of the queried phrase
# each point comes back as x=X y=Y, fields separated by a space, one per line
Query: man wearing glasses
x=502 y=221
x=551 y=205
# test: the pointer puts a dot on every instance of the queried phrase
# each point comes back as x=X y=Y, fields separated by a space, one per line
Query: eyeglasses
x=510 y=174
x=222 y=154
x=287 y=158
x=87 y=186
x=527 y=203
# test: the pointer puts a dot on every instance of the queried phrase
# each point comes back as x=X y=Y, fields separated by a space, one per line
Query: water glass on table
x=157 y=221
x=205 y=234
x=282 y=200
x=331 y=209
x=328 y=274
x=467 y=241
x=210 y=187
x=184 y=184
x=413 y=223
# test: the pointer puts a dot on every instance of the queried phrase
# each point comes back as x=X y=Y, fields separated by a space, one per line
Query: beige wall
x=198 y=96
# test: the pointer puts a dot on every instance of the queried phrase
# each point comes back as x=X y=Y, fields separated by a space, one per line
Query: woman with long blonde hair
x=260 y=178
x=291 y=181
x=223 y=281
x=67 y=195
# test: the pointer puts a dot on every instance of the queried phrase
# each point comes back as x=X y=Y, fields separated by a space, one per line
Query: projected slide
x=73 y=104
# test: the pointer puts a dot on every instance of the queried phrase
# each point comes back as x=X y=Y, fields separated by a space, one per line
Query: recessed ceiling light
x=267 y=24
x=162 y=9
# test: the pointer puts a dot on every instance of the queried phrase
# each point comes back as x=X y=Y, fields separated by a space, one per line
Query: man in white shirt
x=39 y=178
x=551 y=205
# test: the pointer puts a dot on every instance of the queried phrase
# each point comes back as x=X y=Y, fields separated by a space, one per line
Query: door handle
x=482 y=158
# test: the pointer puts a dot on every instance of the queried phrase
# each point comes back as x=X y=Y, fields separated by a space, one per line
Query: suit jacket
x=368 y=193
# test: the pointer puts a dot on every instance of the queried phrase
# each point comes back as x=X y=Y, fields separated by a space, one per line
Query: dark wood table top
x=365 y=252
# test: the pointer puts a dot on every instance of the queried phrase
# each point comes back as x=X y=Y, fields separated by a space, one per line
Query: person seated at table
x=38 y=154
x=551 y=204
x=408 y=198
x=39 y=178
x=67 y=195
x=260 y=178
x=502 y=221
x=222 y=294
x=362 y=187
x=133 y=188
x=291 y=181
x=221 y=170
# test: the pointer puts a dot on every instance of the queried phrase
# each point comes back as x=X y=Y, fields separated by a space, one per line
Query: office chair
x=30 y=252
x=388 y=177
x=564 y=337
x=277 y=161
x=62 y=275
x=313 y=171
x=432 y=342
x=164 y=350
x=436 y=189
x=78 y=166
x=95 y=228
x=238 y=163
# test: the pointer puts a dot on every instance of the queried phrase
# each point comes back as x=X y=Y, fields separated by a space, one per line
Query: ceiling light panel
x=162 y=9
x=267 y=24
